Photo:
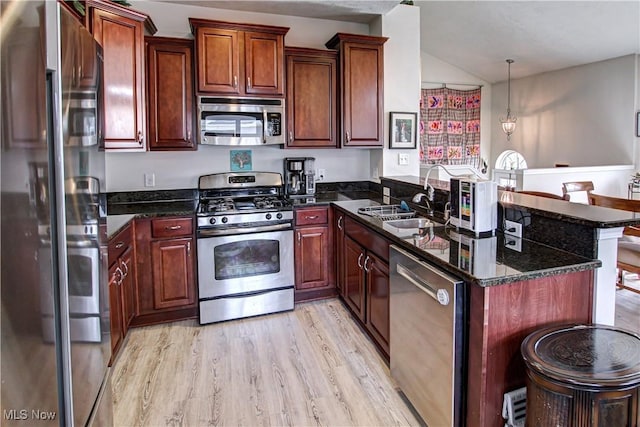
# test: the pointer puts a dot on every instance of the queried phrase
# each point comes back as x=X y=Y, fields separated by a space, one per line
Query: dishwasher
x=428 y=331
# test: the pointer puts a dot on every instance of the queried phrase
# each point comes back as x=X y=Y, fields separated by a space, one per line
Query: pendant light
x=509 y=122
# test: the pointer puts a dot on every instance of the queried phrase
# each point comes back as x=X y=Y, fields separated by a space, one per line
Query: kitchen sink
x=410 y=223
x=409 y=226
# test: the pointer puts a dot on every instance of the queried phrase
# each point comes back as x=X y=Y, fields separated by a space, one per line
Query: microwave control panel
x=274 y=124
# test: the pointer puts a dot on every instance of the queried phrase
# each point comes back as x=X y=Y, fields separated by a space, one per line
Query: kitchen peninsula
x=510 y=293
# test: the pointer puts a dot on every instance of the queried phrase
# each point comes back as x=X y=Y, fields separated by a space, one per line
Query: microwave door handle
x=264 y=126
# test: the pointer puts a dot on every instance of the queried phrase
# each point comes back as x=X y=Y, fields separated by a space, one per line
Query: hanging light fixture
x=509 y=122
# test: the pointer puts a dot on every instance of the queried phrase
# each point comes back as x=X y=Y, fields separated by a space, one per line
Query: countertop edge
x=537 y=274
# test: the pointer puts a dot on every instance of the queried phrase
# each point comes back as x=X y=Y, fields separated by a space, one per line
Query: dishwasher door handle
x=440 y=295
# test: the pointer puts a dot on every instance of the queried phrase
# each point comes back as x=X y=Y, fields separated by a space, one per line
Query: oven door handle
x=213 y=232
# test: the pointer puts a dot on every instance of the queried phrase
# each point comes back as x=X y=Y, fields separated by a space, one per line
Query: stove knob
x=224 y=219
x=212 y=220
x=279 y=215
x=269 y=216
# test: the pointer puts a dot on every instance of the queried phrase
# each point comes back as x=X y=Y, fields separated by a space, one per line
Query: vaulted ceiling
x=477 y=36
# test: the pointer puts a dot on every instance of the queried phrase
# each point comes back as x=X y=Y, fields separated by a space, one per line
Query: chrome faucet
x=417 y=198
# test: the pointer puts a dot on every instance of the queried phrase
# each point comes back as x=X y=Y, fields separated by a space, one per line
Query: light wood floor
x=311 y=366
x=628 y=305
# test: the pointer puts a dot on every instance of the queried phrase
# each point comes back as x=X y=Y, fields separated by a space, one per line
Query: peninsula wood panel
x=500 y=318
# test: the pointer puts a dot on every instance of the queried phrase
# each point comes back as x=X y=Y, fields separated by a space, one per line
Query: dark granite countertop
x=326 y=198
x=484 y=261
x=576 y=213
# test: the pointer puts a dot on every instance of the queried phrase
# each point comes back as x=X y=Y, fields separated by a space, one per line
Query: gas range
x=240 y=202
x=245 y=246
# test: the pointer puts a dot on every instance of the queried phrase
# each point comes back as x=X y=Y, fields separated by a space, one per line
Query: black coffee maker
x=299 y=175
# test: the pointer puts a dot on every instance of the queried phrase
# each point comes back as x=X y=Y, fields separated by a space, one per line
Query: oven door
x=239 y=264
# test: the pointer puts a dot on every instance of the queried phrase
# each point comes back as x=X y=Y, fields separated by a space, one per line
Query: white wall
x=583 y=116
x=401 y=83
x=636 y=146
x=435 y=72
x=173 y=170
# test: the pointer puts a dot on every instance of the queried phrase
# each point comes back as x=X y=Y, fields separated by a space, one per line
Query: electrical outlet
x=513 y=243
x=513 y=228
x=149 y=179
x=403 y=159
x=321 y=174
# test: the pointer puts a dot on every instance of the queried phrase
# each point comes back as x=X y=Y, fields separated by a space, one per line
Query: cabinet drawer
x=119 y=243
x=171 y=227
x=369 y=239
x=311 y=216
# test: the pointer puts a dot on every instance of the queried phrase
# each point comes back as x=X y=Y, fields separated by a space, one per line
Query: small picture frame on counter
x=402 y=130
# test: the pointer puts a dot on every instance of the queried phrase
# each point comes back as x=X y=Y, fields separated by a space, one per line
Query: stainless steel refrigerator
x=55 y=344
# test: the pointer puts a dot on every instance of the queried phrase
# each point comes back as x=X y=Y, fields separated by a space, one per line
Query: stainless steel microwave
x=240 y=121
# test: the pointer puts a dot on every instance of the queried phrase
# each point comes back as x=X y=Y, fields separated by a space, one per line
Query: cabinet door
x=219 y=61
x=127 y=265
x=311 y=101
x=354 y=277
x=170 y=94
x=122 y=42
x=172 y=264
x=312 y=257
x=362 y=94
x=378 y=299
x=339 y=251
x=264 y=63
x=115 y=309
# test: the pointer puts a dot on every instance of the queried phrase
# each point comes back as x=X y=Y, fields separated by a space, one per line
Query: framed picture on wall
x=402 y=130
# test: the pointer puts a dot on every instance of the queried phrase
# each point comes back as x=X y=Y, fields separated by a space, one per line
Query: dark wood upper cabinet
x=361 y=89
x=311 y=100
x=239 y=59
x=120 y=31
x=170 y=94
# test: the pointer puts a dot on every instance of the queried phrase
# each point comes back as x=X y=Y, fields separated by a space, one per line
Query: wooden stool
x=582 y=376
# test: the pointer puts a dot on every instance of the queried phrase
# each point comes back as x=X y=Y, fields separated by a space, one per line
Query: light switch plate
x=149 y=179
x=403 y=159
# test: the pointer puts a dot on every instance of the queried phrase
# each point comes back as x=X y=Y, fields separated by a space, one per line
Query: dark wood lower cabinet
x=377 y=298
x=354 y=277
x=172 y=263
x=122 y=284
x=364 y=277
x=115 y=311
x=313 y=256
x=166 y=262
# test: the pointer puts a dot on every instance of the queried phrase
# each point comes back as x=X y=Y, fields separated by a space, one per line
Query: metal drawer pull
x=249 y=81
x=312 y=217
x=140 y=137
x=298 y=237
x=359 y=259
x=441 y=295
x=348 y=137
x=340 y=223
x=119 y=245
x=235 y=81
x=367 y=259
x=173 y=227
x=126 y=268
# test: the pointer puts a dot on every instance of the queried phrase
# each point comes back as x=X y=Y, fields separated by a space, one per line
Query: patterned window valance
x=450 y=126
